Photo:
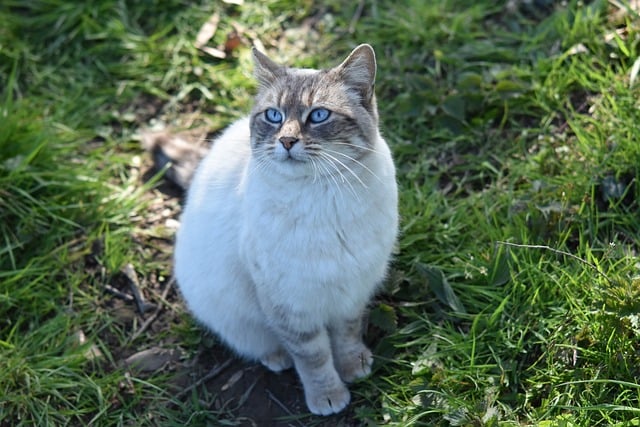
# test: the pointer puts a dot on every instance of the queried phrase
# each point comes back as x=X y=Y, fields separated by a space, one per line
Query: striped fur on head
x=346 y=91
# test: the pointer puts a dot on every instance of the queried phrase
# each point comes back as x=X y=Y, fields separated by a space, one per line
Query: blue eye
x=319 y=115
x=272 y=115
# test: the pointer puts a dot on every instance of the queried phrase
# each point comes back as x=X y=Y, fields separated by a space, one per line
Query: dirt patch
x=252 y=395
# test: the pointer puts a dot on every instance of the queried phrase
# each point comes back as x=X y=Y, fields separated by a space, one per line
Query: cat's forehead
x=299 y=86
x=299 y=79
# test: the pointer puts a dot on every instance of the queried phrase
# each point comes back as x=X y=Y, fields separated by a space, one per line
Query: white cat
x=289 y=225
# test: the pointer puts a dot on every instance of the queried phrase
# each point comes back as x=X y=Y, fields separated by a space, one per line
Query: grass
x=515 y=122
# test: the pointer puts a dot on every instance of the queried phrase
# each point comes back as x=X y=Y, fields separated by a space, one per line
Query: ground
x=514 y=295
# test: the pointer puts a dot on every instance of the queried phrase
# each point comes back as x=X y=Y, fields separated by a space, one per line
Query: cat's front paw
x=354 y=362
x=327 y=401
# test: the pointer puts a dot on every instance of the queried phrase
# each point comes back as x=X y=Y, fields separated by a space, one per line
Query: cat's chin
x=289 y=166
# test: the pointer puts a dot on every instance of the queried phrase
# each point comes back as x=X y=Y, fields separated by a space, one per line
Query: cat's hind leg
x=278 y=360
x=247 y=334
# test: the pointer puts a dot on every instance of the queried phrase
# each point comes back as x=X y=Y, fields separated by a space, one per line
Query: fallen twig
x=114 y=291
x=149 y=320
x=281 y=405
x=134 y=285
x=212 y=374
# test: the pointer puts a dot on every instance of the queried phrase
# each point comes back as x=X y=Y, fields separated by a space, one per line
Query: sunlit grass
x=514 y=123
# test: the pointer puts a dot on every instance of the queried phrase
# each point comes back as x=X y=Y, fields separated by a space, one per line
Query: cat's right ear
x=264 y=69
x=359 y=72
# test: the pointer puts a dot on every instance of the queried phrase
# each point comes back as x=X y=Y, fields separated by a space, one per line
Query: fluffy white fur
x=276 y=256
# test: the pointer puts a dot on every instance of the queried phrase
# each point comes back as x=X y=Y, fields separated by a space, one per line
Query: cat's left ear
x=265 y=70
x=359 y=70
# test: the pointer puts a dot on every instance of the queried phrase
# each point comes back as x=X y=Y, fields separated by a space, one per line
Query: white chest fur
x=317 y=243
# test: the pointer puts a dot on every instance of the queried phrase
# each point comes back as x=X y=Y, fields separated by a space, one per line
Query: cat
x=289 y=225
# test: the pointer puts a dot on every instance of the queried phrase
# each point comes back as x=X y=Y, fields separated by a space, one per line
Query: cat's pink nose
x=288 y=141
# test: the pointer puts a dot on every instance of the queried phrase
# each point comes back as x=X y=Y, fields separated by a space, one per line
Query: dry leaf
x=79 y=339
x=232 y=380
x=621 y=11
x=635 y=69
x=619 y=32
x=577 y=48
x=152 y=359
x=233 y=41
x=207 y=30
x=216 y=53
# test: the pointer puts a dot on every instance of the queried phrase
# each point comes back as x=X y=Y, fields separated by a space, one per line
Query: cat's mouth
x=293 y=158
x=289 y=156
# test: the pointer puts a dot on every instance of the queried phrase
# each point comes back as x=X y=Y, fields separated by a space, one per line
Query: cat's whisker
x=365 y=167
x=256 y=166
x=261 y=164
x=328 y=173
x=346 y=167
x=314 y=167
x=332 y=162
x=357 y=147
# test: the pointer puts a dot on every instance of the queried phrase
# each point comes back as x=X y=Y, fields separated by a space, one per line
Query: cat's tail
x=178 y=153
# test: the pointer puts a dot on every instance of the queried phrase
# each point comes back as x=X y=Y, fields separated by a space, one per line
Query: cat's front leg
x=324 y=391
x=353 y=359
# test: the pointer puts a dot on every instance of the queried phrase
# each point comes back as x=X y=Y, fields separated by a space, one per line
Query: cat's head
x=315 y=121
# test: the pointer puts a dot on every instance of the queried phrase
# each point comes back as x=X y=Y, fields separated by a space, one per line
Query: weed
x=512 y=299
